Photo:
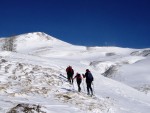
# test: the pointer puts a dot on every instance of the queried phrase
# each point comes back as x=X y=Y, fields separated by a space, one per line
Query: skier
x=70 y=73
x=89 y=79
x=79 y=80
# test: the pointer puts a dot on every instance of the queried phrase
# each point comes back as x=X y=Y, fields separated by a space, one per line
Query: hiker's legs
x=79 y=88
x=70 y=79
x=89 y=87
x=87 y=83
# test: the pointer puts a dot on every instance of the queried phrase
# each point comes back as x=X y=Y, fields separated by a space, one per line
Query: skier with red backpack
x=89 y=78
x=79 y=80
x=70 y=73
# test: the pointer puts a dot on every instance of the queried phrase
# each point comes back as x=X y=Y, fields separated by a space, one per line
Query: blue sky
x=124 y=23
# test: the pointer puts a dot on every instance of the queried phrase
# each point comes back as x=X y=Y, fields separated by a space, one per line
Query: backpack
x=69 y=70
x=78 y=77
x=89 y=76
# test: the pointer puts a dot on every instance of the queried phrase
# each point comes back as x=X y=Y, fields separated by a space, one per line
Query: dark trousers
x=88 y=83
x=78 y=83
x=70 y=78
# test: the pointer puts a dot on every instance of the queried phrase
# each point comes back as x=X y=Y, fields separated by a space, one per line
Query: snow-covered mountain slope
x=41 y=44
x=136 y=75
x=29 y=42
x=33 y=78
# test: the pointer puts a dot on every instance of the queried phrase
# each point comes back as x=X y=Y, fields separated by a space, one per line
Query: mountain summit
x=29 y=42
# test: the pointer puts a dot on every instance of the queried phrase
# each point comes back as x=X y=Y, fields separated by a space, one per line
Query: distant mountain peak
x=40 y=35
x=30 y=42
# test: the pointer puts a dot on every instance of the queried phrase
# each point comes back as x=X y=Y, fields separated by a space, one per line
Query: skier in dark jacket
x=70 y=73
x=79 y=80
x=89 y=79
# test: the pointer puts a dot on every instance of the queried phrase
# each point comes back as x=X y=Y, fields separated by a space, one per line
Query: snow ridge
x=33 y=77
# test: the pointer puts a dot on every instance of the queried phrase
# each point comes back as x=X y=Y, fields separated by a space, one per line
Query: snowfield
x=33 y=77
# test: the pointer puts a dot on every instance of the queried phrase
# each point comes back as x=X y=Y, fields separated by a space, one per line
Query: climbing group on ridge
x=88 y=76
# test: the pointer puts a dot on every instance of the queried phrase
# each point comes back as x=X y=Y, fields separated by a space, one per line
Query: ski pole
x=93 y=88
x=73 y=85
x=83 y=85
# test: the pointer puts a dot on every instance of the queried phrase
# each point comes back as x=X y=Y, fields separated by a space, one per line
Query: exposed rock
x=141 y=53
x=110 y=71
x=26 y=108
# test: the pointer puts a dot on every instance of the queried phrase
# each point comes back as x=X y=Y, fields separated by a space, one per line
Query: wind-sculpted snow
x=143 y=88
x=26 y=78
x=23 y=80
x=111 y=64
x=87 y=103
x=135 y=75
